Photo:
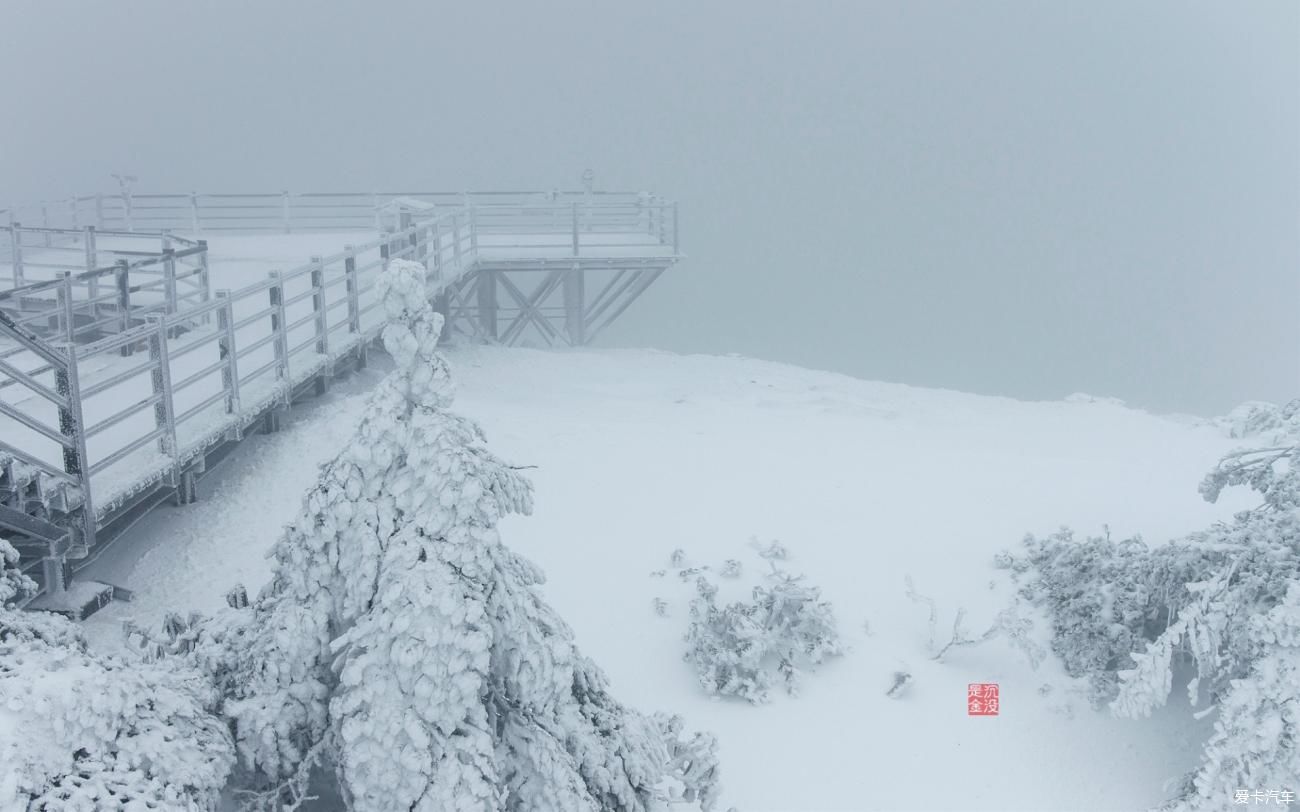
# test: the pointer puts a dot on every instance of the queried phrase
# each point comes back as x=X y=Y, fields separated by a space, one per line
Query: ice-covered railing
x=198 y=213
x=122 y=372
x=67 y=284
x=156 y=394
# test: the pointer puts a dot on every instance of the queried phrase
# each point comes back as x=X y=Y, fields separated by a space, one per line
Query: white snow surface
x=643 y=452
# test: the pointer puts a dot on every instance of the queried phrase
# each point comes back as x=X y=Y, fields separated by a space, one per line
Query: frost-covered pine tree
x=82 y=733
x=739 y=649
x=399 y=634
x=1225 y=601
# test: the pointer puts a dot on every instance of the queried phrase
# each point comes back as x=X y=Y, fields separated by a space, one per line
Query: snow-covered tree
x=85 y=732
x=1256 y=739
x=1224 y=602
x=741 y=648
x=1262 y=422
x=400 y=634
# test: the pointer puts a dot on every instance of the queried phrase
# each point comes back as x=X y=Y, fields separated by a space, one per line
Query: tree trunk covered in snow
x=399 y=629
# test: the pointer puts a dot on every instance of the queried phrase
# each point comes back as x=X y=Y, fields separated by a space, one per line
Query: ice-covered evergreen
x=740 y=649
x=1224 y=601
x=83 y=732
x=403 y=636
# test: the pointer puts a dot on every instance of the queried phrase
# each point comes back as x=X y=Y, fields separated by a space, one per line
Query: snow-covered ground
x=640 y=452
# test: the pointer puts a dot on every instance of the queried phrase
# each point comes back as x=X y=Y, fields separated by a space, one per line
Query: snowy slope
x=640 y=452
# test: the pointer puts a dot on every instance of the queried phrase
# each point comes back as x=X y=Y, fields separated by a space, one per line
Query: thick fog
x=1028 y=199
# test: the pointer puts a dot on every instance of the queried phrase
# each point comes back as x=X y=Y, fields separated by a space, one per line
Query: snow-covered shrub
x=1256 y=739
x=1224 y=601
x=1262 y=422
x=14 y=586
x=399 y=632
x=86 y=732
x=740 y=648
x=1097 y=595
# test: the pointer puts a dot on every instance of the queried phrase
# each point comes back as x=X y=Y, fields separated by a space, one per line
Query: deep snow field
x=639 y=453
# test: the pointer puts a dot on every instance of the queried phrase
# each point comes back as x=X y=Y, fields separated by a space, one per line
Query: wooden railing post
x=161 y=375
x=205 y=283
x=67 y=324
x=195 y=222
x=350 y=281
x=126 y=210
x=575 y=228
x=455 y=240
x=437 y=247
x=228 y=352
x=169 y=280
x=318 y=306
x=278 y=327
x=71 y=425
x=16 y=246
x=122 y=278
x=92 y=282
x=45 y=222
x=92 y=254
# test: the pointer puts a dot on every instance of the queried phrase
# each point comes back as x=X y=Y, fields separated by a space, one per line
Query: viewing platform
x=143 y=336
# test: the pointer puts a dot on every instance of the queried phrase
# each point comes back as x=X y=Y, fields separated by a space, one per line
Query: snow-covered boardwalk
x=132 y=361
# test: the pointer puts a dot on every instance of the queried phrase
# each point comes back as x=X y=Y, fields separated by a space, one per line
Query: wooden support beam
x=485 y=290
x=573 y=306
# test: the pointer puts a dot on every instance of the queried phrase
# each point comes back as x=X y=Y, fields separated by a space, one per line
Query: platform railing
x=46 y=404
x=289 y=212
x=165 y=389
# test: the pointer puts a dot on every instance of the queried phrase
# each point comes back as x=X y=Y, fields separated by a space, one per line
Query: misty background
x=1026 y=199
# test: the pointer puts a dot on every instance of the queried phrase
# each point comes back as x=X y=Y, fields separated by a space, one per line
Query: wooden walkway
x=131 y=361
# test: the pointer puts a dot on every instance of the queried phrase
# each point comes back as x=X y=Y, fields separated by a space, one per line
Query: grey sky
x=1025 y=198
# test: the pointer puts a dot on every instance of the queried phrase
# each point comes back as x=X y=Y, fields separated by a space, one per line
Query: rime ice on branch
x=400 y=633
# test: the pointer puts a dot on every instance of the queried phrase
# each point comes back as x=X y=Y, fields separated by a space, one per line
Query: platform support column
x=442 y=306
x=485 y=291
x=573 y=306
